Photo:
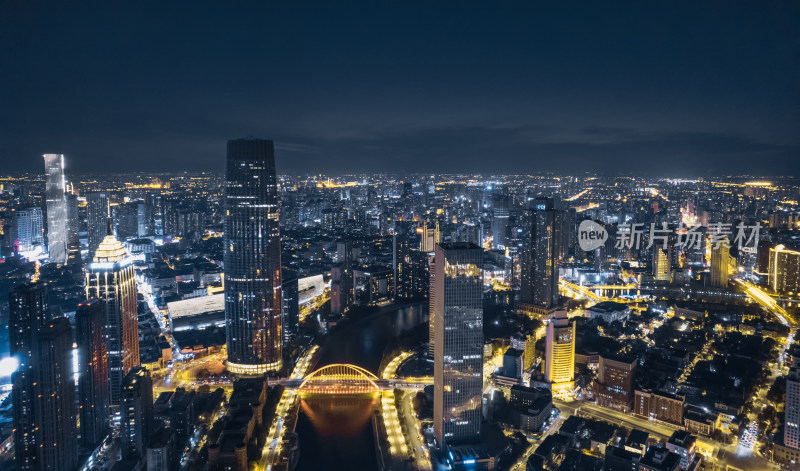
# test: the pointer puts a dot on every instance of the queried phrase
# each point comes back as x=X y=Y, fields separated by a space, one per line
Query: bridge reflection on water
x=340 y=415
x=335 y=429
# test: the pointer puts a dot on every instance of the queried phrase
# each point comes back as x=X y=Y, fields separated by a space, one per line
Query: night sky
x=695 y=88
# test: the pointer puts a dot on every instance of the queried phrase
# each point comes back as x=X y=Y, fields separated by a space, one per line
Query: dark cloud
x=659 y=88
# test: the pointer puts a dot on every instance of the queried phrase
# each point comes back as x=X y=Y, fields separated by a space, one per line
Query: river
x=335 y=432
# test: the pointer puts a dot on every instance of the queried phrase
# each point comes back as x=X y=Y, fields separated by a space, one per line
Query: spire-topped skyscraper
x=253 y=297
x=110 y=277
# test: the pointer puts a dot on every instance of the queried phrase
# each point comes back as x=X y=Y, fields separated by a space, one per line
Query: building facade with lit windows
x=720 y=265
x=54 y=405
x=29 y=233
x=560 y=356
x=791 y=428
x=252 y=260
x=458 y=358
x=538 y=261
x=615 y=383
x=784 y=270
x=56 y=208
x=93 y=393
x=96 y=220
x=110 y=276
x=28 y=312
x=137 y=427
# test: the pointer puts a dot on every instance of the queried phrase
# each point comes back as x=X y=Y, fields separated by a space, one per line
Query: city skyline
x=404 y=236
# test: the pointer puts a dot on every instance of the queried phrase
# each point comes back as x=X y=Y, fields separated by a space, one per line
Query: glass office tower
x=458 y=356
x=253 y=296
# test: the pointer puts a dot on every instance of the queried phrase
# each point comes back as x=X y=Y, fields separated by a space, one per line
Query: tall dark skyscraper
x=73 y=230
x=93 y=393
x=54 y=404
x=110 y=277
x=458 y=356
x=56 y=208
x=253 y=298
x=27 y=314
x=538 y=262
x=43 y=391
x=137 y=412
x=500 y=217
x=96 y=220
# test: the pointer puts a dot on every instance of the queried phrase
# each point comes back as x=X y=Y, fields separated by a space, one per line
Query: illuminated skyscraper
x=110 y=277
x=431 y=305
x=96 y=220
x=539 y=266
x=720 y=265
x=93 y=393
x=560 y=356
x=56 y=208
x=253 y=297
x=137 y=427
x=30 y=232
x=430 y=236
x=458 y=359
x=661 y=263
x=784 y=270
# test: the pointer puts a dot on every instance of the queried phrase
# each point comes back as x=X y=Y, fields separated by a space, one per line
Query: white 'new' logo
x=591 y=235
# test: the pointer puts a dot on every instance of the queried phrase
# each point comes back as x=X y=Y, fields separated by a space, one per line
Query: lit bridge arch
x=340 y=379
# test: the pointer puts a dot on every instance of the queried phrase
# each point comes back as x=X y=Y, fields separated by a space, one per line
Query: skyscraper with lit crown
x=110 y=276
x=253 y=297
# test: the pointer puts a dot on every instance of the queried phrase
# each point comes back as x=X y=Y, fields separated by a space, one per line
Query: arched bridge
x=340 y=379
x=348 y=379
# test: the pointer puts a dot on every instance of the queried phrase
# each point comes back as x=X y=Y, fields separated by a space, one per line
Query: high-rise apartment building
x=57 y=230
x=110 y=276
x=137 y=427
x=784 y=270
x=30 y=232
x=93 y=392
x=28 y=312
x=54 y=396
x=791 y=427
x=96 y=220
x=291 y=307
x=539 y=265
x=720 y=265
x=458 y=359
x=42 y=387
x=560 y=355
x=252 y=247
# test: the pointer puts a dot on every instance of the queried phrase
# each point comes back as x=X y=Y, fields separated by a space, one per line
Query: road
x=288 y=401
x=725 y=454
x=421 y=454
